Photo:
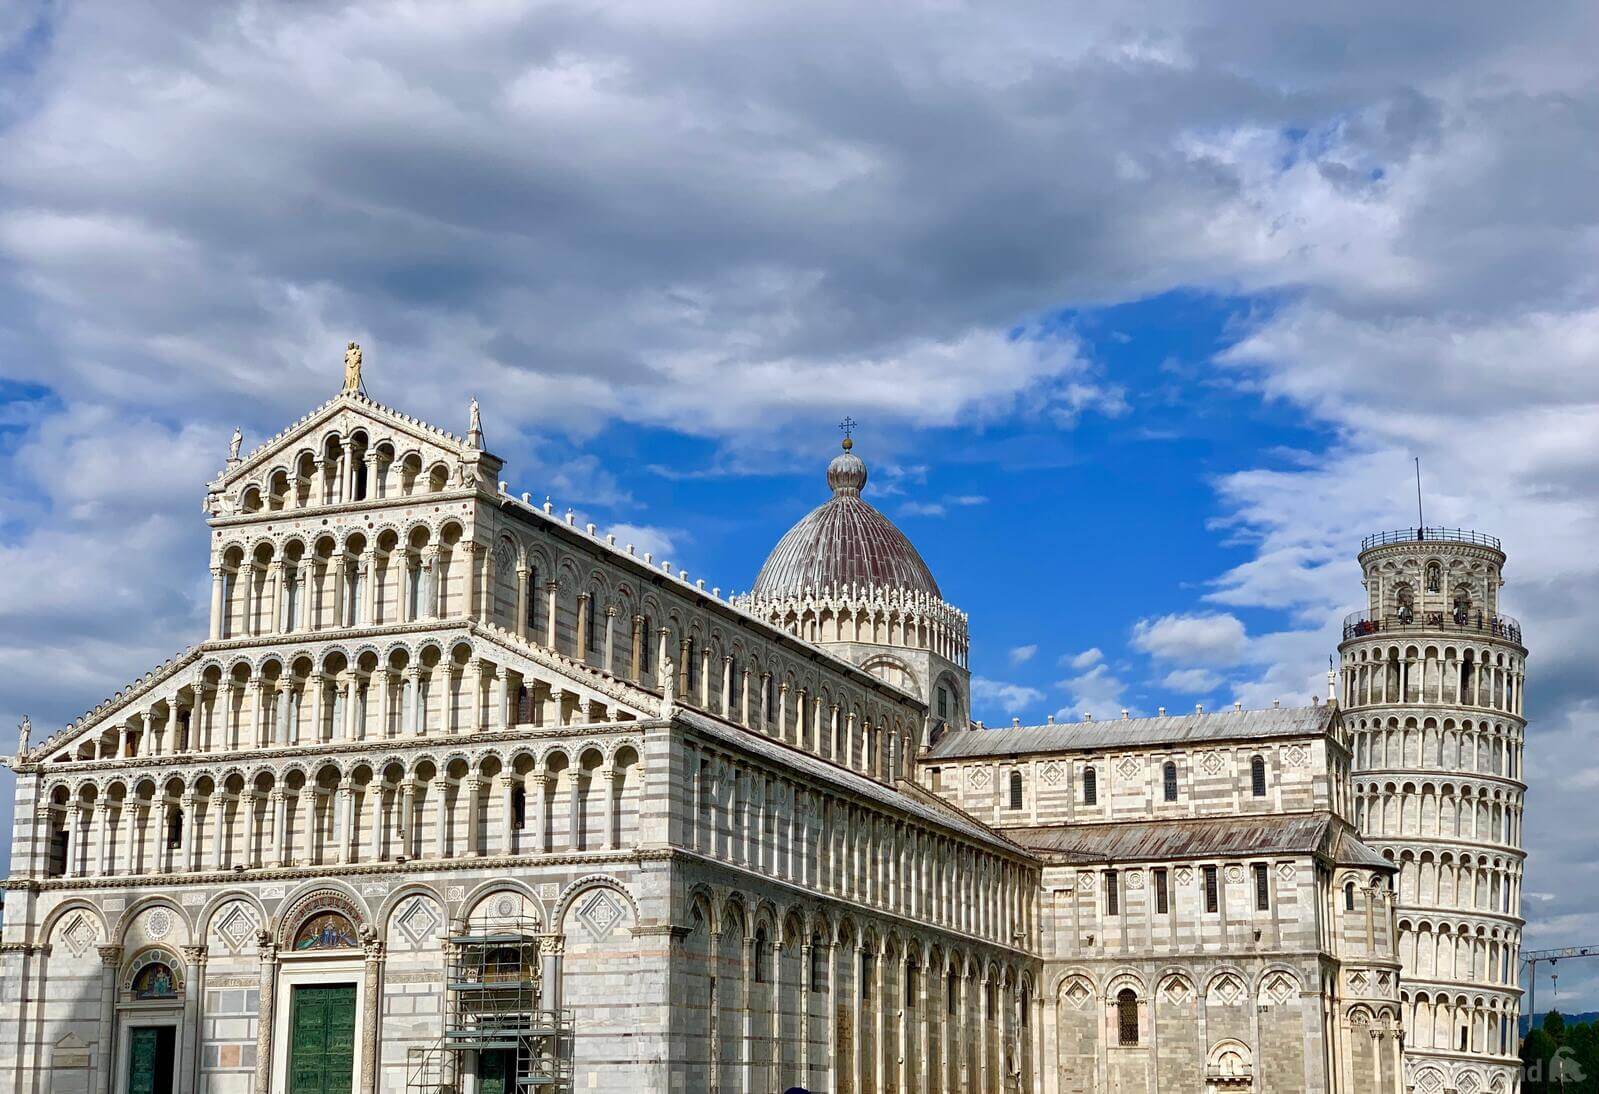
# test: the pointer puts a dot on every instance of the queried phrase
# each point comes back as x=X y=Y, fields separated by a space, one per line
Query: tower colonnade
x=1431 y=679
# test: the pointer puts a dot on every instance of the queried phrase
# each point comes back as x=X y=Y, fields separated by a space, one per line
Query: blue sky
x=1144 y=310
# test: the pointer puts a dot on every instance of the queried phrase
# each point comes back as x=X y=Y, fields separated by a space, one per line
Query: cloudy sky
x=1144 y=309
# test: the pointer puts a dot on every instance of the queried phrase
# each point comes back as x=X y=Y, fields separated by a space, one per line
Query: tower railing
x=1361 y=624
x=1430 y=535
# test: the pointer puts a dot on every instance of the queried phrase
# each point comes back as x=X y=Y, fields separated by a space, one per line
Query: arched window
x=326 y=931
x=155 y=981
x=1257 y=777
x=519 y=806
x=1169 y=781
x=1090 y=786
x=1015 y=789
x=175 y=829
x=1435 y=577
x=758 y=954
x=1127 y=1017
x=1349 y=896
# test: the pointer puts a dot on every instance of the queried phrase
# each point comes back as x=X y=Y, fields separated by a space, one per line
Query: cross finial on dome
x=847 y=426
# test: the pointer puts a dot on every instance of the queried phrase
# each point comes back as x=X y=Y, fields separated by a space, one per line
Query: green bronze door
x=322 y=1040
x=150 y=1052
x=496 y=1071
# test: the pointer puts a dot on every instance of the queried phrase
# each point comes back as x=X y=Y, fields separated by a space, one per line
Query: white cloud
x=1095 y=691
x=1084 y=660
x=1010 y=698
x=1209 y=639
x=1192 y=681
x=1020 y=655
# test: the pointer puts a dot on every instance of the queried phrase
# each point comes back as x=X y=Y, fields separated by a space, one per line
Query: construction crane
x=1530 y=960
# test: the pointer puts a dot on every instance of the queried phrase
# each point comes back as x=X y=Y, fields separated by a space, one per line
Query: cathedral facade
x=459 y=795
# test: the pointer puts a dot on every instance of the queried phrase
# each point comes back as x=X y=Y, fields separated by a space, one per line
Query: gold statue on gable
x=352 y=368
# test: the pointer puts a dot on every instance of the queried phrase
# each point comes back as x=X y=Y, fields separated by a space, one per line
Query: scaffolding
x=495 y=1022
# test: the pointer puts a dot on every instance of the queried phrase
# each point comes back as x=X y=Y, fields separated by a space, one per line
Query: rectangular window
x=951 y=995
x=1212 y=897
x=644 y=645
x=866 y=977
x=1162 y=893
x=1090 y=787
x=911 y=971
x=1112 y=893
x=937 y=776
x=1262 y=888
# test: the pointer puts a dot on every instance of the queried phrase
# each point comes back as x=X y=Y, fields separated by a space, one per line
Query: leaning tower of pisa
x=1431 y=685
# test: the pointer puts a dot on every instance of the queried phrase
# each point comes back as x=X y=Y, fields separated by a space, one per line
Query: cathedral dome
x=843 y=542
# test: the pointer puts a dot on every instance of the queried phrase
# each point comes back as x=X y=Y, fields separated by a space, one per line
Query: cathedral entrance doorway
x=496 y=1071
x=322 y=1039
x=151 y=1051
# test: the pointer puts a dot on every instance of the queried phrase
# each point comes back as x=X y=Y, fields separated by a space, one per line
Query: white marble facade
x=752 y=841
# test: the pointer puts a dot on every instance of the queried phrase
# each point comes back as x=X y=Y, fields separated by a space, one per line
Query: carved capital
x=110 y=956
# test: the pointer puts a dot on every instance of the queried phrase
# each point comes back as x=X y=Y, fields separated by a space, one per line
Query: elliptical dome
x=843 y=542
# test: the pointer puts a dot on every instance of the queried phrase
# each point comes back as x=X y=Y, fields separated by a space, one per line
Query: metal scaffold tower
x=496 y=1025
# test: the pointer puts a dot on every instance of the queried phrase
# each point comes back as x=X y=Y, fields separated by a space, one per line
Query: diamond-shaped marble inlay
x=1382 y=980
x=1227 y=990
x=1085 y=882
x=1429 y=1082
x=1280 y=990
x=1051 y=774
x=1295 y=756
x=1177 y=992
x=1469 y=1084
x=1286 y=871
x=1078 y=994
x=1358 y=982
x=236 y=928
x=1129 y=768
x=979 y=777
x=1184 y=875
x=600 y=913
x=417 y=921
x=1211 y=763
x=79 y=936
x=158 y=924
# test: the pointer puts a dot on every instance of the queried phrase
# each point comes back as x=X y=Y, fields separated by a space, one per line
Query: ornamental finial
x=847 y=427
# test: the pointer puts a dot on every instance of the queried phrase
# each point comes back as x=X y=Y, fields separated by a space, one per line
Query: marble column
x=473 y=786
x=193 y=1013
x=110 y=964
x=536 y=783
x=371 y=1011
x=267 y=950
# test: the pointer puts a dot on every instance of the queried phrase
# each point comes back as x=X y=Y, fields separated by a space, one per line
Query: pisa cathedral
x=459 y=795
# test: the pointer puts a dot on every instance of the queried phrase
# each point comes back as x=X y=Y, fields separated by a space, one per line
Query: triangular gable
x=116 y=707
x=435 y=442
